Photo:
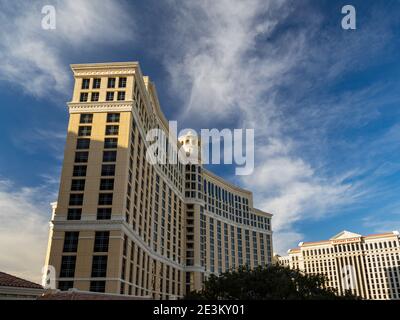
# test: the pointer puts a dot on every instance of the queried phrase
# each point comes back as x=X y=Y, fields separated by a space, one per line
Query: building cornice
x=99 y=69
x=258 y=211
x=79 y=107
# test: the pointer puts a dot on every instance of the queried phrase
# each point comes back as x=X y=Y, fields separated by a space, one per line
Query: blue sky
x=324 y=103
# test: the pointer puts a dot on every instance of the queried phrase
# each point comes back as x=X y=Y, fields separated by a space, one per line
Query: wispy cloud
x=34 y=58
x=215 y=66
x=24 y=223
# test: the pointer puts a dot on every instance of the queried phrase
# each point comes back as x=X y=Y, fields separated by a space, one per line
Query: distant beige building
x=124 y=226
x=369 y=266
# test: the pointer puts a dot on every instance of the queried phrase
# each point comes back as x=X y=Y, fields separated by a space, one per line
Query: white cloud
x=283 y=238
x=278 y=172
x=34 y=58
x=293 y=192
x=215 y=38
x=24 y=222
x=303 y=200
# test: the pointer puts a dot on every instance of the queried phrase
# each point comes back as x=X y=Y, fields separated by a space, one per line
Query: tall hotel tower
x=124 y=226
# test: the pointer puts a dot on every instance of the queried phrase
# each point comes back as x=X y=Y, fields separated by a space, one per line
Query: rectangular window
x=96 y=83
x=78 y=185
x=123 y=273
x=83 y=143
x=67 y=266
x=122 y=83
x=76 y=199
x=86 y=118
x=121 y=96
x=95 y=96
x=74 y=214
x=65 y=285
x=110 y=143
x=109 y=156
x=105 y=199
x=113 y=117
x=110 y=96
x=108 y=170
x=112 y=130
x=84 y=131
x=125 y=247
x=107 y=184
x=71 y=241
x=98 y=286
x=79 y=171
x=81 y=156
x=85 y=84
x=84 y=97
x=101 y=241
x=99 y=267
x=111 y=83
x=103 y=213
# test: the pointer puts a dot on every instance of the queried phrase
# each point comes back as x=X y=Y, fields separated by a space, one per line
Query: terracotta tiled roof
x=84 y=295
x=7 y=280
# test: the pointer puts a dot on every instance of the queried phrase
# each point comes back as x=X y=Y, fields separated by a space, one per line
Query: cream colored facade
x=122 y=225
x=369 y=266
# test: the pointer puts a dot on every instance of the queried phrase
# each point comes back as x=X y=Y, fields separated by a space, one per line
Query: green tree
x=273 y=282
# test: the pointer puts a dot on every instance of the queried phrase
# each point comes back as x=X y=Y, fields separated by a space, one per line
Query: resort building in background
x=369 y=266
x=124 y=226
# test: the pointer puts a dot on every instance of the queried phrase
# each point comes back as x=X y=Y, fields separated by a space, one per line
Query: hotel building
x=124 y=226
x=368 y=266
